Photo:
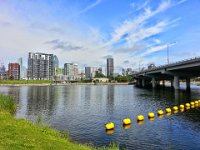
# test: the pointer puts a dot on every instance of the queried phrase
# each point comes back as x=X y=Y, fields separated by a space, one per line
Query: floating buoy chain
x=151 y=115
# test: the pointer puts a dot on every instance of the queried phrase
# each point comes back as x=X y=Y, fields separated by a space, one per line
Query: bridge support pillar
x=172 y=81
x=137 y=82
x=176 y=83
x=153 y=82
x=188 y=83
x=143 y=82
x=163 y=83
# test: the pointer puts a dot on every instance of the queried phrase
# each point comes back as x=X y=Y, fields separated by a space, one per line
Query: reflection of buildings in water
x=87 y=96
x=71 y=95
x=110 y=98
x=41 y=100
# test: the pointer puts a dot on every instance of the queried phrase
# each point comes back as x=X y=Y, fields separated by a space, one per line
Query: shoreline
x=19 y=133
x=65 y=84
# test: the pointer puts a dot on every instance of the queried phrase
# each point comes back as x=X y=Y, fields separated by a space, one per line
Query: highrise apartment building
x=110 y=67
x=22 y=68
x=3 y=72
x=71 y=71
x=40 y=66
x=14 y=71
x=55 y=61
x=90 y=72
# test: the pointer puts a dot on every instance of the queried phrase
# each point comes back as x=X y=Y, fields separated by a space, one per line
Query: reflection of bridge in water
x=174 y=72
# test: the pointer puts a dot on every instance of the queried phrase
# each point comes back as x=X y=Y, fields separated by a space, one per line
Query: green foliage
x=99 y=75
x=86 y=81
x=7 y=104
x=122 y=78
x=25 y=81
x=21 y=134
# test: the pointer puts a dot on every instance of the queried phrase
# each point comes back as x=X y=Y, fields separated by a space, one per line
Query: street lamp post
x=169 y=44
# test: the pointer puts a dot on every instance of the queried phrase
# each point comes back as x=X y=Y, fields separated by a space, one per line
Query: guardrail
x=185 y=61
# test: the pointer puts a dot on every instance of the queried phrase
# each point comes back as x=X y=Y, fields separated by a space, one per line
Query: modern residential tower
x=110 y=67
x=14 y=71
x=40 y=66
x=90 y=72
x=71 y=71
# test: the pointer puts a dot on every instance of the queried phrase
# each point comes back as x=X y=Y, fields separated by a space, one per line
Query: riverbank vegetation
x=26 y=81
x=122 y=78
x=22 y=134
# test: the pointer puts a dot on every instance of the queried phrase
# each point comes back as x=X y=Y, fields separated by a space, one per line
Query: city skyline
x=131 y=32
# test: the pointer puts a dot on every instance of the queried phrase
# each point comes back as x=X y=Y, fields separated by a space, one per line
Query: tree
x=99 y=75
x=123 y=78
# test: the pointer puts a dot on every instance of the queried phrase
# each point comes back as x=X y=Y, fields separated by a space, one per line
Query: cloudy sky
x=86 y=32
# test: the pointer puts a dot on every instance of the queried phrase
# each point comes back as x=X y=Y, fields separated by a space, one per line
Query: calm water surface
x=83 y=110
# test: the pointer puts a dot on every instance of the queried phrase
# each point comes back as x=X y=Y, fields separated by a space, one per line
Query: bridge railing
x=185 y=61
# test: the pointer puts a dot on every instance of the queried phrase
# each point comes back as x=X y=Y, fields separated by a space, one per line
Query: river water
x=83 y=110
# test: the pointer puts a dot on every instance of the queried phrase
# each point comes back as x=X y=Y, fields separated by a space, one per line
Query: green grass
x=7 y=104
x=26 y=81
x=21 y=134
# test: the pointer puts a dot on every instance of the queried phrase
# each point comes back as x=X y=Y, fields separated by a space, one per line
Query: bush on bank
x=22 y=134
x=26 y=81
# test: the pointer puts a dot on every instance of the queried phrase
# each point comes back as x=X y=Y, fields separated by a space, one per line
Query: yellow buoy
x=160 y=112
x=110 y=126
x=187 y=104
x=111 y=131
x=199 y=101
x=127 y=121
x=196 y=102
x=175 y=108
x=168 y=110
x=151 y=115
x=140 y=118
x=181 y=106
x=192 y=103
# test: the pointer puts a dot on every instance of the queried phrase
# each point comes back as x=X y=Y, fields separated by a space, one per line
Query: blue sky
x=86 y=32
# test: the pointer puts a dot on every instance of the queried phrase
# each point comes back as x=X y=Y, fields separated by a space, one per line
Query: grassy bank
x=26 y=81
x=22 y=134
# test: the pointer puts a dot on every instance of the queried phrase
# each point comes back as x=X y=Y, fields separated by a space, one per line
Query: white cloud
x=181 y=1
x=128 y=26
x=138 y=6
x=81 y=43
x=158 y=48
x=89 y=7
x=157 y=41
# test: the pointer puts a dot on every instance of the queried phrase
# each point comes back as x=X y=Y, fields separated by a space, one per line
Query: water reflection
x=41 y=100
x=84 y=110
x=110 y=92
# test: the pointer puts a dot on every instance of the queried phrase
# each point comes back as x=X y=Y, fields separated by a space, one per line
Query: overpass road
x=174 y=72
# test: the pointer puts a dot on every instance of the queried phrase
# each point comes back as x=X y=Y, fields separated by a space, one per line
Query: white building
x=71 y=71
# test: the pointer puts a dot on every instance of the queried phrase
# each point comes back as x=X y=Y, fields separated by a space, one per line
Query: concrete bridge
x=174 y=72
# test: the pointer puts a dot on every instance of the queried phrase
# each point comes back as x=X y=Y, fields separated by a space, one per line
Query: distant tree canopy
x=99 y=75
x=122 y=78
